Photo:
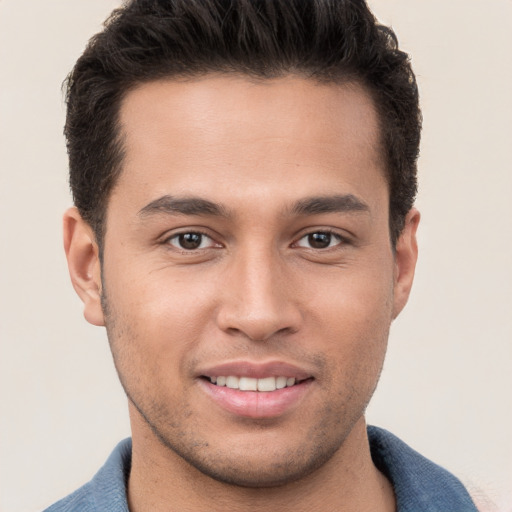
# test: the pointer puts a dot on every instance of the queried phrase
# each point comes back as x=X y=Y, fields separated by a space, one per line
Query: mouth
x=256 y=390
x=265 y=384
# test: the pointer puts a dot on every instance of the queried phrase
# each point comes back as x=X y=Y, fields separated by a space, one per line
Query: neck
x=160 y=480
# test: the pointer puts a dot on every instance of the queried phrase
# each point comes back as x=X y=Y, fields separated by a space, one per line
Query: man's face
x=247 y=238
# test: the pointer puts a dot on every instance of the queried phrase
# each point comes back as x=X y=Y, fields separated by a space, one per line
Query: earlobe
x=82 y=253
x=406 y=255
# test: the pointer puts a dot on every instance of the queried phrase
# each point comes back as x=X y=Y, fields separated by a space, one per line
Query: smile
x=252 y=384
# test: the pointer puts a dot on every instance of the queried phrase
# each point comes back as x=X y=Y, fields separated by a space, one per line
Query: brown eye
x=191 y=241
x=319 y=240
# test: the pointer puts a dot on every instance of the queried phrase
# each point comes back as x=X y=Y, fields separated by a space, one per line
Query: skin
x=255 y=290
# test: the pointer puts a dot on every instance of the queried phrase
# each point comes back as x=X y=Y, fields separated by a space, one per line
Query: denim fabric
x=420 y=485
x=106 y=492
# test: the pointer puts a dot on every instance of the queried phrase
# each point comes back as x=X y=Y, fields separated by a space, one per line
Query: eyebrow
x=183 y=206
x=317 y=205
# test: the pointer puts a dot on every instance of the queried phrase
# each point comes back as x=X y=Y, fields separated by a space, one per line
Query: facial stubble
x=172 y=428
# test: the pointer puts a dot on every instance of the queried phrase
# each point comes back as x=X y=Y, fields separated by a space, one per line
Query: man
x=244 y=175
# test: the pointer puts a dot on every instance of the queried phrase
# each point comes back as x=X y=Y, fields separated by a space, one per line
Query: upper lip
x=256 y=370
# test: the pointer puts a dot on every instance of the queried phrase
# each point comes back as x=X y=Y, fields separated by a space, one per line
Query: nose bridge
x=257 y=300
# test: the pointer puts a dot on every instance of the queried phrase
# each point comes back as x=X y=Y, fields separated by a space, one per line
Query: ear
x=406 y=255
x=82 y=253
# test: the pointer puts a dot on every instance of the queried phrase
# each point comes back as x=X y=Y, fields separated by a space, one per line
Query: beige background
x=446 y=385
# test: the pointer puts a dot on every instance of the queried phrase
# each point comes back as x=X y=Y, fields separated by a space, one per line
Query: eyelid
x=166 y=240
x=342 y=240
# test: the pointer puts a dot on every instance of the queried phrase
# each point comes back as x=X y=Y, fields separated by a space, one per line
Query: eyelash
x=169 y=239
x=340 y=240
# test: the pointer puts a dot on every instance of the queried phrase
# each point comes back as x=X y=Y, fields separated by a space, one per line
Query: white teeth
x=250 y=384
x=232 y=382
x=267 y=384
x=281 y=382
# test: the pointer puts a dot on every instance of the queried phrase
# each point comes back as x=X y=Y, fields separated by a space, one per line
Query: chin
x=264 y=461
x=254 y=472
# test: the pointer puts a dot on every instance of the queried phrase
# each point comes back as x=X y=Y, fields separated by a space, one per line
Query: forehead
x=185 y=133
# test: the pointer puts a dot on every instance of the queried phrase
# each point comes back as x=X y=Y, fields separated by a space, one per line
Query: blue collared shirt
x=419 y=484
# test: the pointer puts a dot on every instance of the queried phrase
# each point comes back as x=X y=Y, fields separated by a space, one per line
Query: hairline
x=99 y=224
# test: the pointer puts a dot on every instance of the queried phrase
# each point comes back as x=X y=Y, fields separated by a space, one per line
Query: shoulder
x=419 y=484
x=81 y=501
x=106 y=491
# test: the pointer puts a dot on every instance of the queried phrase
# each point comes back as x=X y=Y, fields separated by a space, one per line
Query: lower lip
x=257 y=404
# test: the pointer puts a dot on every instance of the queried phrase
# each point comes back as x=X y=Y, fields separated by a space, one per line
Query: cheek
x=160 y=323
x=354 y=314
x=353 y=299
x=163 y=303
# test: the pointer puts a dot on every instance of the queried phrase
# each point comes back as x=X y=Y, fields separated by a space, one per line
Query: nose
x=259 y=300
